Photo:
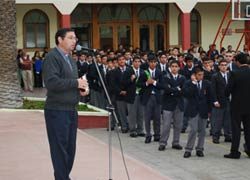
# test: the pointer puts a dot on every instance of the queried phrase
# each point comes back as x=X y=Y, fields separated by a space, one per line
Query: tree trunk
x=10 y=90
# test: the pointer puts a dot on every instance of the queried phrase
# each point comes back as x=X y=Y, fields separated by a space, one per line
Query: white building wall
x=211 y=16
x=48 y=9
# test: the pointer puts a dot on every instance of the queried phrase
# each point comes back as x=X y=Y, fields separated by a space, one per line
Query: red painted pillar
x=247 y=34
x=185 y=29
x=65 y=21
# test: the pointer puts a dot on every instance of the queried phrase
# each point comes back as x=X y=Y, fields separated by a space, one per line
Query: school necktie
x=153 y=75
x=199 y=86
x=225 y=78
x=137 y=73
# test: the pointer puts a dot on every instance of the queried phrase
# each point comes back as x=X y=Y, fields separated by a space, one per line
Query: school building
x=149 y=25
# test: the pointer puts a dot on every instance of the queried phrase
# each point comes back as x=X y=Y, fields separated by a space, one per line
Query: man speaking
x=239 y=88
x=63 y=92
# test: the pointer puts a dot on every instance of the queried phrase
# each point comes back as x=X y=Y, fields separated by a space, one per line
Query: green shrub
x=35 y=104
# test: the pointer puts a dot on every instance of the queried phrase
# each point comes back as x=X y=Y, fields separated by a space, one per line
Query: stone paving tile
x=172 y=164
x=24 y=153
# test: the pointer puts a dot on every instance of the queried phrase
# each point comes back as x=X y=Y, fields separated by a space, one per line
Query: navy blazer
x=158 y=66
x=146 y=91
x=218 y=87
x=82 y=68
x=118 y=82
x=94 y=79
x=131 y=85
x=198 y=102
x=173 y=93
x=186 y=72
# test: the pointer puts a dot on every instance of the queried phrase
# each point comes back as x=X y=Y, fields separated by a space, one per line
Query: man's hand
x=217 y=104
x=82 y=83
x=150 y=81
x=84 y=93
x=123 y=93
x=193 y=79
x=133 y=77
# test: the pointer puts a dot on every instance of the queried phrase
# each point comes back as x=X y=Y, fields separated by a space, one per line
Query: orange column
x=185 y=29
x=135 y=27
x=65 y=21
x=247 y=34
x=95 y=28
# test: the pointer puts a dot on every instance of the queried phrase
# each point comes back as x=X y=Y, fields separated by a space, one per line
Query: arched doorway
x=114 y=25
x=36 y=29
x=81 y=22
x=152 y=27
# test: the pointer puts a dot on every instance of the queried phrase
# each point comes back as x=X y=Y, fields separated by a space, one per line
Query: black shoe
x=124 y=131
x=183 y=131
x=187 y=154
x=133 y=135
x=156 y=139
x=161 y=148
x=216 y=141
x=199 y=153
x=233 y=155
x=228 y=139
x=178 y=147
x=112 y=129
x=148 y=140
x=246 y=150
x=141 y=134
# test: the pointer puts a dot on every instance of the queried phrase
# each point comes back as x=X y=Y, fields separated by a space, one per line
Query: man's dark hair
x=103 y=56
x=198 y=70
x=189 y=57
x=119 y=57
x=205 y=59
x=136 y=57
x=173 y=62
x=222 y=61
x=162 y=54
x=151 y=57
x=62 y=33
x=241 y=58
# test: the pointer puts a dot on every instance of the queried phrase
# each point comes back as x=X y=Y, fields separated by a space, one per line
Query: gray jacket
x=60 y=81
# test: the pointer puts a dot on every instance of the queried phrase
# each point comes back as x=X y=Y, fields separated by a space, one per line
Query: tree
x=10 y=90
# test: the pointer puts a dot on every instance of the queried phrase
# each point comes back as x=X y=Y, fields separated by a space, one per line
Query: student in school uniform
x=198 y=94
x=221 y=104
x=150 y=84
x=120 y=91
x=173 y=106
x=135 y=108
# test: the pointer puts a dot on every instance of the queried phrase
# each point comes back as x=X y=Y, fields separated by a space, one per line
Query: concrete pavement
x=24 y=153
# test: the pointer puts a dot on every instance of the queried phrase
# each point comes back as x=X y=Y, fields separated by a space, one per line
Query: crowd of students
x=153 y=92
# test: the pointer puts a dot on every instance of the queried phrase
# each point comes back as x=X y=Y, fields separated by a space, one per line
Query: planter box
x=86 y=119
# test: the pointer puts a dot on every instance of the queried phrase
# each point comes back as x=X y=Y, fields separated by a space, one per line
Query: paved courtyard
x=24 y=154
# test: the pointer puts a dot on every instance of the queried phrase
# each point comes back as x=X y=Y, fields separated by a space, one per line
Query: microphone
x=79 y=48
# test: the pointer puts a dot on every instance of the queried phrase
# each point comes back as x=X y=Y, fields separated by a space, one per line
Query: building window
x=151 y=13
x=36 y=29
x=152 y=20
x=113 y=12
x=114 y=25
x=81 y=22
x=195 y=27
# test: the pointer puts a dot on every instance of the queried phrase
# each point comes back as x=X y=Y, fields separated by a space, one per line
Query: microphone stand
x=111 y=110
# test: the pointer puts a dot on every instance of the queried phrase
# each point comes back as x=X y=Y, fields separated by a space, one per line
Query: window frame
x=47 y=39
